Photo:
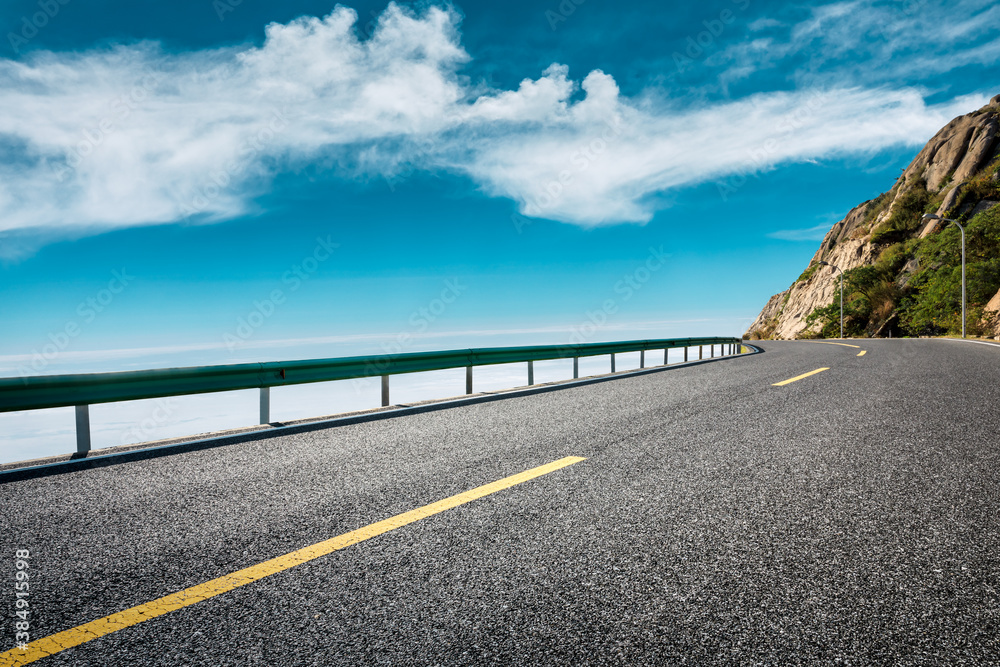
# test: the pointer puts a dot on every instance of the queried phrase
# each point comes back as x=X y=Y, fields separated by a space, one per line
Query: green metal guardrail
x=83 y=390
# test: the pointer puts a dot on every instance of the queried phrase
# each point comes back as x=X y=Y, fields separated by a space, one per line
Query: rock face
x=942 y=170
x=955 y=153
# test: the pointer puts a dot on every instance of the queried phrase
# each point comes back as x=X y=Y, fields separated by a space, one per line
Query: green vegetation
x=878 y=205
x=906 y=217
x=922 y=297
x=808 y=273
x=984 y=186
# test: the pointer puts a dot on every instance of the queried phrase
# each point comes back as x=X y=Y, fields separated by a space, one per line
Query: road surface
x=710 y=516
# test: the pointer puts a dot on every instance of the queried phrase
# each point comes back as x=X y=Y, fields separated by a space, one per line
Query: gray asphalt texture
x=849 y=518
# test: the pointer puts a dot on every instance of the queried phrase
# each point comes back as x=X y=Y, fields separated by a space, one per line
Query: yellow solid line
x=61 y=641
x=862 y=353
x=801 y=377
x=823 y=342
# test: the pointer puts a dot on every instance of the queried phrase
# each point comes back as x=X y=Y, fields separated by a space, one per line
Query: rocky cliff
x=955 y=175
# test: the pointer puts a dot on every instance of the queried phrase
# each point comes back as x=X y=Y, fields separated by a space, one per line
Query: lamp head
x=822 y=263
x=931 y=216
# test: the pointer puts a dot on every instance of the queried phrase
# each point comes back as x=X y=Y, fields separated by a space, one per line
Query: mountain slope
x=901 y=273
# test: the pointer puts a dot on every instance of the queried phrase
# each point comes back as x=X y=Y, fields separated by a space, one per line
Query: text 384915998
x=22 y=625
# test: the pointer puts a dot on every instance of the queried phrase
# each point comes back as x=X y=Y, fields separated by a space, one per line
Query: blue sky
x=203 y=182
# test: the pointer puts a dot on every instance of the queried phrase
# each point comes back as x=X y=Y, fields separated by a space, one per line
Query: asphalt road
x=850 y=517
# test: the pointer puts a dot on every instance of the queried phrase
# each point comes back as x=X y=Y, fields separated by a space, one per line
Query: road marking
x=801 y=377
x=823 y=342
x=862 y=353
x=46 y=646
x=965 y=340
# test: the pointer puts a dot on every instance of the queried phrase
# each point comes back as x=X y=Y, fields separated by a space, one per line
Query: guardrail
x=83 y=390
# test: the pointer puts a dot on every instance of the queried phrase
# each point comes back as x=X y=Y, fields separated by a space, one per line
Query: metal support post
x=576 y=368
x=612 y=362
x=385 y=390
x=468 y=379
x=82 y=429
x=964 y=318
x=531 y=373
x=642 y=358
x=265 y=405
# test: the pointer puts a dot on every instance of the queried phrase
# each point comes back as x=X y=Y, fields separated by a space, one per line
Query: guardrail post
x=686 y=354
x=612 y=362
x=711 y=351
x=82 y=429
x=468 y=379
x=385 y=390
x=576 y=368
x=265 y=405
x=642 y=358
x=701 y=350
x=531 y=373
x=666 y=359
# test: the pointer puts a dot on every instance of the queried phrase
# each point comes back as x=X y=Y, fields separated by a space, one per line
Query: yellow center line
x=823 y=342
x=46 y=646
x=801 y=377
x=862 y=353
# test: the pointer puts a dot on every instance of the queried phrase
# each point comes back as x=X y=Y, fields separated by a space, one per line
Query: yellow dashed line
x=862 y=353
x=823 y=342
x=800 y=377
x=81 y=634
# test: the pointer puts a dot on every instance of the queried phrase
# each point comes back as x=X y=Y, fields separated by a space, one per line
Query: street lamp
x=934 y=216
x=841 y=294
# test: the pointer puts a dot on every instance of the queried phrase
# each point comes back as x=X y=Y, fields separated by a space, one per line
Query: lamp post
x=934 y=216
x=841 y=294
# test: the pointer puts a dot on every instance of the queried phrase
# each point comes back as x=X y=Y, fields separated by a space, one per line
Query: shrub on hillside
x=906 y=216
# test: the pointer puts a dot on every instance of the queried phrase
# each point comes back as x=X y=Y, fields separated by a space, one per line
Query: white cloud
x=764 y=24
x=817 y=233
x=869 y=42
x=133 y=135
